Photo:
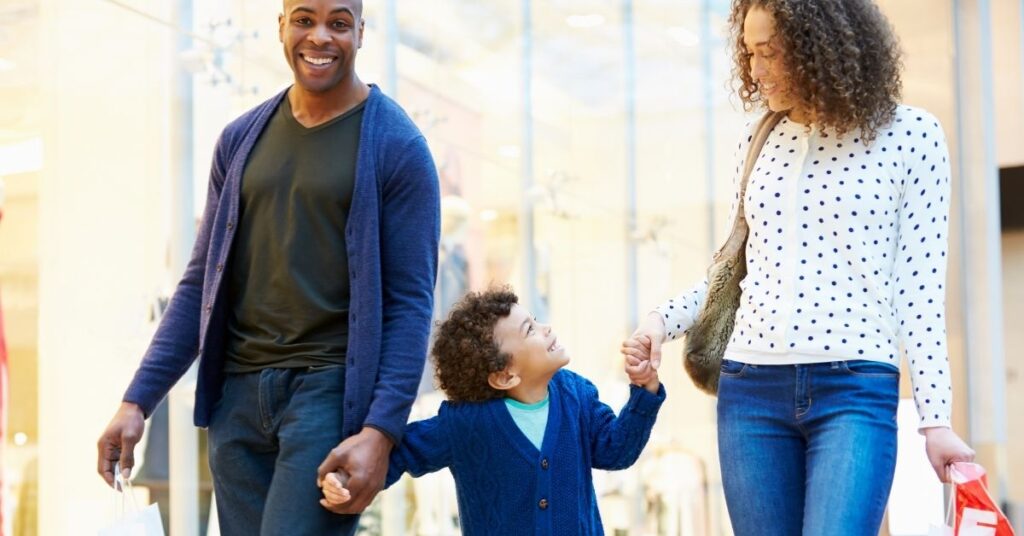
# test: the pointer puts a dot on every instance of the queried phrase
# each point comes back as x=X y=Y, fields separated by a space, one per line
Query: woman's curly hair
x=842 y=58
x=465 y=352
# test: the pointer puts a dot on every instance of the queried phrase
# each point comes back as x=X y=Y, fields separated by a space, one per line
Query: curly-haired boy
x=519 y=434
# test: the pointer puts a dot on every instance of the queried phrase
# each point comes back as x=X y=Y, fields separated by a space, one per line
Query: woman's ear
x=503 y=380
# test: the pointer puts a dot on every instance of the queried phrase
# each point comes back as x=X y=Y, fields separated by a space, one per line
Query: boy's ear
x=503 y=380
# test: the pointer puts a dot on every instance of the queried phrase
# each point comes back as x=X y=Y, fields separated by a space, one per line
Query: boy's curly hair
x=842 y=57
x=465 y=352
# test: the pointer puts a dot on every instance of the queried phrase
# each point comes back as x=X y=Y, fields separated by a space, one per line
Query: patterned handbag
x=710 y=333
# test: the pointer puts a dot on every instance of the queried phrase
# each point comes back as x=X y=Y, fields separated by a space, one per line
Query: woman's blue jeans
x=807 y=449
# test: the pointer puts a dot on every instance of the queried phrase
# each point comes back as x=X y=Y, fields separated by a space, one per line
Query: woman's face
x=767 y=67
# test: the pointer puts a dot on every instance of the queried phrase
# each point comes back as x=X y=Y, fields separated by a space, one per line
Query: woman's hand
x=642 y=373
x=945 y=447
x=645 y=342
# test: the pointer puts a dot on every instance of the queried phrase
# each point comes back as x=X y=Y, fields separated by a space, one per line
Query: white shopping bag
x=132 y=521
x=947 y=528
x=936 y=530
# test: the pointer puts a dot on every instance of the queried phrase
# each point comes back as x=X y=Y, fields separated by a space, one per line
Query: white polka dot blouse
x=846 y=256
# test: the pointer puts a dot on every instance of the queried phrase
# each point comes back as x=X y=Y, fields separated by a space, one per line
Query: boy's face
x=536 y=354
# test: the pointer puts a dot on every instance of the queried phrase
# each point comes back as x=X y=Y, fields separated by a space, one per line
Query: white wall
x=1013 y=311
x=1009 y=81
x=101 y=243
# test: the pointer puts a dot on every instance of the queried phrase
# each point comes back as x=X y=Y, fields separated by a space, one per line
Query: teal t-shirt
x=531 y=419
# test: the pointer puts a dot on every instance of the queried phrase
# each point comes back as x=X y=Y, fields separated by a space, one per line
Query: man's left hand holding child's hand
x=639 y=368
x=333 y=486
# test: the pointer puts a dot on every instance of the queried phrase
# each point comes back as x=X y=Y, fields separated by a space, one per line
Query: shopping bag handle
x=124 y=487
x=951 y=502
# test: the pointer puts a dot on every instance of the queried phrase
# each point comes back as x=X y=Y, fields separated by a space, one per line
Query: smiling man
x=308 y=297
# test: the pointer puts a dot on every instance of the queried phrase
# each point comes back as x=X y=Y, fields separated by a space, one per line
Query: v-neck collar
x=522 y=444
x=295 y=125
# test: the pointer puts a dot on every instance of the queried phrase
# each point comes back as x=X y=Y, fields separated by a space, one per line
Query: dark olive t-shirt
x=288 y=283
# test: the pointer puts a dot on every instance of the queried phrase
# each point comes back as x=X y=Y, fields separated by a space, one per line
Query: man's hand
x=945 y=447
x=645 y=342
x=118 y=442
x=364 y=458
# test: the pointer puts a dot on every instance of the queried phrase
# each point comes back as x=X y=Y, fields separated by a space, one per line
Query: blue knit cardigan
x=505 y=486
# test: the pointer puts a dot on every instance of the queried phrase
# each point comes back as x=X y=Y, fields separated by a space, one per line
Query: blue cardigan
x=392 y=237
x=504 y=484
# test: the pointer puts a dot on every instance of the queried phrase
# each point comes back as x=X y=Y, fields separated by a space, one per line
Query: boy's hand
x=639 y=368
x=638 y=346
x=334 y=490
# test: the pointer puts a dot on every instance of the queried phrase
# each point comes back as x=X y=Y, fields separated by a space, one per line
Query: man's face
x=321 y=38
x=534 y=348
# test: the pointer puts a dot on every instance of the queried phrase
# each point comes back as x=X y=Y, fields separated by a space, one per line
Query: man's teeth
x=318 y=61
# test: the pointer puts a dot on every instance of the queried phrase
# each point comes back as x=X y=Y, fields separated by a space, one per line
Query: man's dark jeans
x=268 y=434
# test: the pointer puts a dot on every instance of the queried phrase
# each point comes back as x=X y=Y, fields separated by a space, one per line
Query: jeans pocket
x=733 y=368
x=863 y=367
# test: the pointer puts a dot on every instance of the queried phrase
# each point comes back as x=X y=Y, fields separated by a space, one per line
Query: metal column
x=977 y=178
x=183 y=442
x=629 y=48
x=526 y=218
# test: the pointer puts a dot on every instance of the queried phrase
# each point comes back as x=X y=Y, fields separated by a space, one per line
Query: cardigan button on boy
x=544 y=463
x=543 y=504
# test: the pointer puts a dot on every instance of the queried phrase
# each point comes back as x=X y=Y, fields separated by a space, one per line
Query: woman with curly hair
x=847 y=205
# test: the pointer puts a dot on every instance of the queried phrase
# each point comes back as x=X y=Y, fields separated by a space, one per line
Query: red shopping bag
x=976 y=512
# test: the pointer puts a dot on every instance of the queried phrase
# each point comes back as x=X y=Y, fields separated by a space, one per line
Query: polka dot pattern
x=846 y=256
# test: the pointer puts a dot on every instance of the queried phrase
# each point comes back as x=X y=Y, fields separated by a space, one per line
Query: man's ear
x=503 y=380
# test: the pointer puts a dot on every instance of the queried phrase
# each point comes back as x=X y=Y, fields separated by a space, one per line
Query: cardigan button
x=220 y=267
x=544 y=463
x=231 y=226
x=543 y=504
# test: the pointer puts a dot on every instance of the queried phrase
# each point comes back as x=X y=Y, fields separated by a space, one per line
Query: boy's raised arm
x=616 y=442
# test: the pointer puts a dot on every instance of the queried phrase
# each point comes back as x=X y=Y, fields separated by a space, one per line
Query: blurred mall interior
x=584 y=150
